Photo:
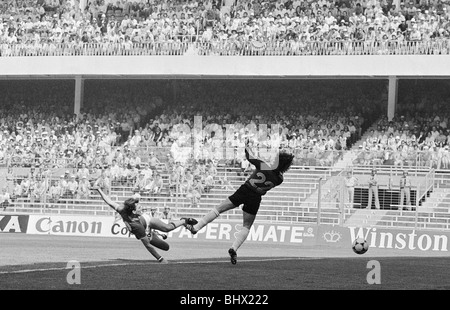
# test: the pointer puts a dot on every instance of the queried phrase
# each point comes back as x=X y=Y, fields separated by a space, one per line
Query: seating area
x=135 y=139
x=50 y=136
x=412 y=141
x=249 y=28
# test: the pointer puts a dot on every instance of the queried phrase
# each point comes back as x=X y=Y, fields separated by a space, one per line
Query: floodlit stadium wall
x=226 y=66
x=394 y=241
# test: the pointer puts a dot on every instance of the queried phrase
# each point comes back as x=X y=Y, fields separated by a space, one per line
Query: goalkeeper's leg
x=160 y=225
x=211 y=215
x=241 y=236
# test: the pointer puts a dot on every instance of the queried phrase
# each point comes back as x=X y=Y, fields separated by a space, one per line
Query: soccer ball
x=360 y=246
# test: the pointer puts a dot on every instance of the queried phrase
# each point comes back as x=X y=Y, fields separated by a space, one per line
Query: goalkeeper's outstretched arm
x=107 y=199
x=252 y=159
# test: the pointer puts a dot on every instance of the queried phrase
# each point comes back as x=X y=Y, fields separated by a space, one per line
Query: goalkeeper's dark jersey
x=262 y=179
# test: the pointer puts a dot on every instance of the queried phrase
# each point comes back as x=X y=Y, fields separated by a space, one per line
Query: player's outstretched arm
x=108 y=200
x=252 y=159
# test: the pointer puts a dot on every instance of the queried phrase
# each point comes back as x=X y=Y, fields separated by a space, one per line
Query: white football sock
x=208 y=218
x=241 y=236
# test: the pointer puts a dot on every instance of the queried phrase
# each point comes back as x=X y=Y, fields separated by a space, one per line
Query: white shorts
x=147 y=218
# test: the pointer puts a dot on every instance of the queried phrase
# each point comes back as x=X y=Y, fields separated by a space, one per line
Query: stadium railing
x=305 y=48
x=423 y=183
x=415 y=160
x=94 y=49
x=197 y=46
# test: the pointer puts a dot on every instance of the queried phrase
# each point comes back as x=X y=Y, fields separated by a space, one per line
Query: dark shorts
x=138 y=228
x=245 y=196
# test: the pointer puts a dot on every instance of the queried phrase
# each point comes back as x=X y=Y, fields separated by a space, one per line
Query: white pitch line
x=170 y=263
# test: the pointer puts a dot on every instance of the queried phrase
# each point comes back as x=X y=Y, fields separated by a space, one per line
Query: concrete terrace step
x=215 y=202
x=436 y=206
x=286 y=179
x=433 y=209
x=293 y=189
x=444 y=186
x=286 y=183
x=289 y=185
x=277 y=202
x=290 y=173
x=277 y=191
x=294 y=169
x=433 y=199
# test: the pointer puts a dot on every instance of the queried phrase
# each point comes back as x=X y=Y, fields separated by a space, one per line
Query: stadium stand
x=50 y=158
x=240 y=27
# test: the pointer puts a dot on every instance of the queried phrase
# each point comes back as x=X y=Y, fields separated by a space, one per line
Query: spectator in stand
x=140 y=183
x=188 y=176
x=148 y=173
x=83 y=191
x=10 y=177
x=64 y=181
x=208 y=183
x=198 y=186
x=167 y=214
x=5 y=199
x=72 y=186
x=26 y=186
x=225 y=183
x=174 y=181
x=131 y=174
x=115 y=171
x=155 y=186
x=154 y=212
x=103 y=182
x=39 y=191
x=56 y=191
x=17 y=191
x=154 y=161
x=185 y=187
x=194 y=196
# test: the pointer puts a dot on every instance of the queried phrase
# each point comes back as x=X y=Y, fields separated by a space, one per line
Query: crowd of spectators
x=44 y=132
x=131 y=138
x=417 y=136
x=136 y=141
x=408 y=142
x=38 y=125
x=39 y=130
x=316 y=133
x=137 y=145
x=31 y=25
